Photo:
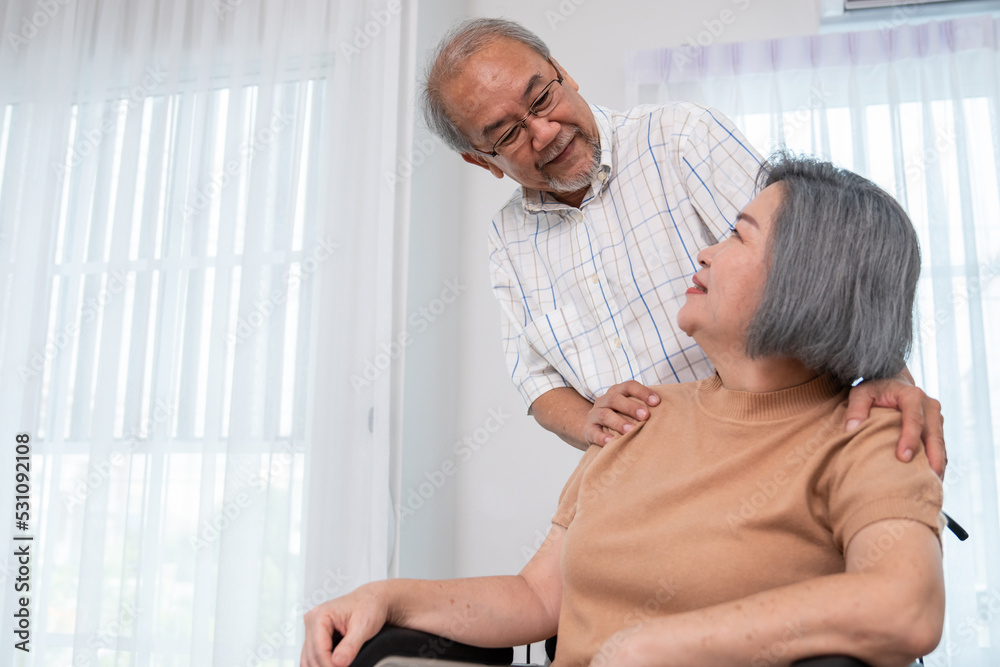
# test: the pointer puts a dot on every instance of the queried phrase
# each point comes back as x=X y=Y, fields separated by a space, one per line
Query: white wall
x=488 y=515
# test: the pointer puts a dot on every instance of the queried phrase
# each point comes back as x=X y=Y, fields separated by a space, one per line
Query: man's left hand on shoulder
x=922 y=418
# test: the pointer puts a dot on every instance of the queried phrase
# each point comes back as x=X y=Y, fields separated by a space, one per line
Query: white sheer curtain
x=917 y=109
x=196 y=255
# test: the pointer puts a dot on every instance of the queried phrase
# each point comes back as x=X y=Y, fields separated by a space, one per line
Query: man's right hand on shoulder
x=357 y=617
x=618 y=411
x=582 y=423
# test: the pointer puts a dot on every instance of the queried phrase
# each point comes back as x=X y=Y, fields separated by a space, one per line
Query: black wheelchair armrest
x=395 y=641
x=405 y=643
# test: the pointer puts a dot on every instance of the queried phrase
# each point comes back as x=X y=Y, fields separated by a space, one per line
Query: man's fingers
x=859 y=406
x=933 y=435
x=921 y=414
x=624 y=405
x=639 y=391
x=911 y=405
x=617 y=421
x=595 y=436
x=909 y=438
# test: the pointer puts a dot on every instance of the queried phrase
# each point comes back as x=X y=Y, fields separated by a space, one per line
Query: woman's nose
x=706 y=254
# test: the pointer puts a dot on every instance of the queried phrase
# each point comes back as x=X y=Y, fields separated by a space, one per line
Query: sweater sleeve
x=866 y=483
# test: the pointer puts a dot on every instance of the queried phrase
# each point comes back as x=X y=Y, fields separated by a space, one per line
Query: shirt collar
x=535 y=201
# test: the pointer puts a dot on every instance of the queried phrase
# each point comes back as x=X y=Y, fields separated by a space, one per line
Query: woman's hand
x=357 y=616
x=922 y=418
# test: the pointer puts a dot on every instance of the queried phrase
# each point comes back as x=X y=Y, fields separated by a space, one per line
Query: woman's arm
x=483 y=611
x=886 y=609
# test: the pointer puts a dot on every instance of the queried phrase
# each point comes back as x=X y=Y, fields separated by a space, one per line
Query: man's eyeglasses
x=542 y=106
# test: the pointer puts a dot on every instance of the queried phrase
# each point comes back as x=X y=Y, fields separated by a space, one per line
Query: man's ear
x=566 y=77
x=481 y=161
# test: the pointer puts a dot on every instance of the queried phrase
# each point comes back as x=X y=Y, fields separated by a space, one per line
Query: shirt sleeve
x=719 y=168
x=531 y=373
x=865 y=482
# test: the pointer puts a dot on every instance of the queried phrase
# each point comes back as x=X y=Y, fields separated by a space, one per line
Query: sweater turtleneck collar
x=767 y=406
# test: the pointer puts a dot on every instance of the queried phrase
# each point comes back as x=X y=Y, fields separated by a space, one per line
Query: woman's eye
x=734 y=233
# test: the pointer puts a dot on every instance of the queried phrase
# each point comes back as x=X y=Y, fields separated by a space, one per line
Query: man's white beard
x=575 y=183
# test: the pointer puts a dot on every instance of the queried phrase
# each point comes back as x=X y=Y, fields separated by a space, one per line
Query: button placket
x=600 y=294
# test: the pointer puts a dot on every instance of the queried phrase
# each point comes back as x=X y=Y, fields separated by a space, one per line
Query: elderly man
x=590 y=258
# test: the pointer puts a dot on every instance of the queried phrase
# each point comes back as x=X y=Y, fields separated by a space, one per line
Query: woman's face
x=727 y=289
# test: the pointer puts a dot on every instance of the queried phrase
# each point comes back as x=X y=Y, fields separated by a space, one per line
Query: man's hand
x=922 y=418
x=617 y=412
x=357 y=616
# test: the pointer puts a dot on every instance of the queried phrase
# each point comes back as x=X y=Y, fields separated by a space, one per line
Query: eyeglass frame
x=559 y=79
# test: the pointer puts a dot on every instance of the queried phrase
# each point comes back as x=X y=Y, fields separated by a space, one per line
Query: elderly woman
x=739 y=524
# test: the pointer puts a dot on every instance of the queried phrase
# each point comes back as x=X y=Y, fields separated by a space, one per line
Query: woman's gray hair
x=461 y=43
x=843 y=263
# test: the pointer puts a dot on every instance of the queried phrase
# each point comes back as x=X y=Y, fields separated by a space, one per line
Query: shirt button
x=601 y=176
x=618 y=342
x=594 y=279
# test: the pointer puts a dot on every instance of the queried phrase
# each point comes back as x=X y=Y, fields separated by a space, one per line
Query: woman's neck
x=740 y=373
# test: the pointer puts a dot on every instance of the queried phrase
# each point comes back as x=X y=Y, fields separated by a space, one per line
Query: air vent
x=873 y=4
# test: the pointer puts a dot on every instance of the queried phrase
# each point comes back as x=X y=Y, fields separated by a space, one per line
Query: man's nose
x=542 y=131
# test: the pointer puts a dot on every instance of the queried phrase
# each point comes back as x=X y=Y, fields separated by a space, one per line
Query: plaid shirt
x=590 y=295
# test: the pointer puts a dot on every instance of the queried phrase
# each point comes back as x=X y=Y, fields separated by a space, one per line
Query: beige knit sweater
x=722 y=494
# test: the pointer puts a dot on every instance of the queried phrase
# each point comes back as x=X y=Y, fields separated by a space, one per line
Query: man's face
x=557 y=153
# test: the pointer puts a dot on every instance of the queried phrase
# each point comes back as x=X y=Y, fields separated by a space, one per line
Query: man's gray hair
x=453 y=51
x=843 y=263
